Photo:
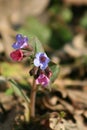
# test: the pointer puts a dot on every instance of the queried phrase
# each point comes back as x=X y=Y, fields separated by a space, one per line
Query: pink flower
x=16 y=55
x=42 y=80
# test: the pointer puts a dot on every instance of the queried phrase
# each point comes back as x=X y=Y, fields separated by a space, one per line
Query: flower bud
x=48 y=72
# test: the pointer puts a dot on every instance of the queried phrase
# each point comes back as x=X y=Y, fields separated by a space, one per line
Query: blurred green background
x=60 y=25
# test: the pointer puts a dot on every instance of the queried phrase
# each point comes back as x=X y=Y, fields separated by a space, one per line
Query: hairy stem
x=32 y=99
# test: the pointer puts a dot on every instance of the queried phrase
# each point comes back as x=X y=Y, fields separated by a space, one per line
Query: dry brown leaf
x=57 y=124
x=80 y=123
x=79 y=98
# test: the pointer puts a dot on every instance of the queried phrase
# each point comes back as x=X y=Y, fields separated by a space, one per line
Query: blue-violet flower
x=21 y=42
x=42 y=80
x=41 y=60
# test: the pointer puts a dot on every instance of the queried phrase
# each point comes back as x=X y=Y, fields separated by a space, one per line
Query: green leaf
x=9 y=91
x=18 y=91
x=36 y=44
x=55 y=71
x=62 y=114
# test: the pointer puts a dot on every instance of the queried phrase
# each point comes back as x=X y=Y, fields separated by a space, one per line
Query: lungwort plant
x=43 y=70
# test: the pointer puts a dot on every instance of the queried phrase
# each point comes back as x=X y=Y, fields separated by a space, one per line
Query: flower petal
x=21 y=42
x=43 y=66
x=16 y=45
x=36 y=62
x=19 y=37
x=24 y=45
x=38 y=55
x=16 y=55
x=42 y=80
x=41 y=60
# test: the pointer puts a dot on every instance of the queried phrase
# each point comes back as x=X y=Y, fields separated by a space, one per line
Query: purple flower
x=21 y=42
x=42 y=80
x=41 y=60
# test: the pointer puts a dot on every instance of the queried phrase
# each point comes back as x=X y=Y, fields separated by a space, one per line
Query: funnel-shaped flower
x=21 y=42
x=16 y=55
x=42 y=80
x=41 y=60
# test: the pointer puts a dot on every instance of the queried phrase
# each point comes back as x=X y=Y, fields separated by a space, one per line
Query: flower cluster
x=40 y=71
x=20 y=44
